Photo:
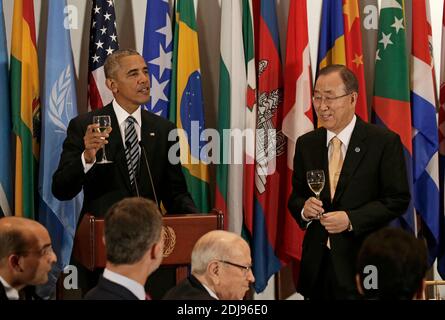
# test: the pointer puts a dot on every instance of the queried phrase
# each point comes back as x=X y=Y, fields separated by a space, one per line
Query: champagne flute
x=104 y=123
x=315 y=180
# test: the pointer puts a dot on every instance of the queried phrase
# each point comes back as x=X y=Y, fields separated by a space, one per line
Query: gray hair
x=214 y=245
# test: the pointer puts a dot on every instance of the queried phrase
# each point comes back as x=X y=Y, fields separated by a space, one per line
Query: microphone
x=149 y=172
x=128 y=146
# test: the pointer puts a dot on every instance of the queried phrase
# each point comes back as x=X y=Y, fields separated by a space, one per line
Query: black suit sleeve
x=394 y=194
x=69 y=177
x=298 y=196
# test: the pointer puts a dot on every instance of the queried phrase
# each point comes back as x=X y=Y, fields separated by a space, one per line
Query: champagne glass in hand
x=315 y=180
x=104 y=123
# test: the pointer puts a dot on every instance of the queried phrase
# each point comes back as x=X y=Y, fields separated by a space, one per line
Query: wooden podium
x=181 y=232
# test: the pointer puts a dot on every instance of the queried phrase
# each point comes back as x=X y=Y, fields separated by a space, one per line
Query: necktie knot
x=336 y=143
x=130 y=120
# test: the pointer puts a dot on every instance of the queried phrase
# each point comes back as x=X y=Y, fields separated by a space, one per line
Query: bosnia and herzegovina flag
x=341 y=43
x=25 y=106
x=186 y=105
x=392 y=107
x=157 y=53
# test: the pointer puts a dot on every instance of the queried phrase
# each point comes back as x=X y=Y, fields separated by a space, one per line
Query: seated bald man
x=26 y=257
x=221 y=269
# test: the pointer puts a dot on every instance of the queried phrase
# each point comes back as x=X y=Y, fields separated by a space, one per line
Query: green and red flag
x=391 y=104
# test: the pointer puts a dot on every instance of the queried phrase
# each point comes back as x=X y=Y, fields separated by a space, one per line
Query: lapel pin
x=152 y=134
x=357 y=149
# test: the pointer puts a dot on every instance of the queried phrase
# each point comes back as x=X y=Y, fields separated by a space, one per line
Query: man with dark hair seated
x=134 y=245
x=392 y=265
x=26 y=258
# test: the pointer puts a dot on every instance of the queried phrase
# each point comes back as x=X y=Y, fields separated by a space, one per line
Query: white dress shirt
x=11 y=293
x=135 y=287
x=210 y=291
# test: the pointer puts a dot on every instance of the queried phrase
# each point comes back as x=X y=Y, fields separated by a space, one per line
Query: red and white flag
x=298 y=117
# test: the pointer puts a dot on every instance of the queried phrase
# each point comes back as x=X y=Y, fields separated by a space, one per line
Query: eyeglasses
x=245 y=269
x=317 y=100
x=45 y=251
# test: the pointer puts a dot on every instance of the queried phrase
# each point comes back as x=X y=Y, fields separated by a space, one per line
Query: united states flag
x=103 y=41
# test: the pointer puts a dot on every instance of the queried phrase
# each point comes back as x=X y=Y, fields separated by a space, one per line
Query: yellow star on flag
x=358 y=60
x=350 y=9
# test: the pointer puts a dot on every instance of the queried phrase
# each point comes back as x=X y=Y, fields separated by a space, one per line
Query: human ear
x=14 y=261
x=358 y=283
x=111 y=85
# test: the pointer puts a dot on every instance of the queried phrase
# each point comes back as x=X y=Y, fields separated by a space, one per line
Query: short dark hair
x=348 y=77
x=13 y=241
x=111 y=64
x=401 y=261
x=132 y=226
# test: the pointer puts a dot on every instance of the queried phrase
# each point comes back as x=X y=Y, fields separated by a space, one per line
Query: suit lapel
x=148 y=141
x=320 y=161
x=356 y=150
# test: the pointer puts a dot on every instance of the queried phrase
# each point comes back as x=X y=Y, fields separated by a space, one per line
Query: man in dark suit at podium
x=137 y=145
x=366 y=186
x=134 y=245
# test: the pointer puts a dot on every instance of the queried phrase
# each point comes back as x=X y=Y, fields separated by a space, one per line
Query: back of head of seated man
x=221 y=269
x=26 y=255
x=134 y=245
x=392 y=265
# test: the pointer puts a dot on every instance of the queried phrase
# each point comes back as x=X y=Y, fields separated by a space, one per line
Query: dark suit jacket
x=27 y=293
x=105 y=184
x=372 y=189
x=108 y=290
x=188 y=289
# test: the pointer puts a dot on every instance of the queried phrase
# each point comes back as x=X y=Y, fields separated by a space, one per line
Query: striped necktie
x=131 y=148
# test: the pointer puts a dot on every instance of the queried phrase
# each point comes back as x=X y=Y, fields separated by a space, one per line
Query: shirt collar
x=11 y=293
x=344 y=135
x=122 y=114
x=210 y=291
x=135 y=287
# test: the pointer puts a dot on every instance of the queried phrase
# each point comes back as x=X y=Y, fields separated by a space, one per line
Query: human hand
x=313 y=208
x=335 y=221
x=94 y=140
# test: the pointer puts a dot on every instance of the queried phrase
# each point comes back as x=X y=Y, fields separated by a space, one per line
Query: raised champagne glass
x=104 y=123
x=315 y=180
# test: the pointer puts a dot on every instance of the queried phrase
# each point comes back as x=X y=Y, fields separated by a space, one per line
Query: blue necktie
x=131 y=148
